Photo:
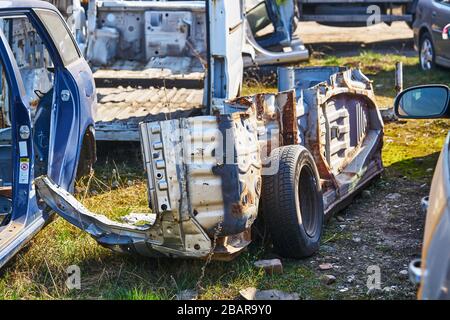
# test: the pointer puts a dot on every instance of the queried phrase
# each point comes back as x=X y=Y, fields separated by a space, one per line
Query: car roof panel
x=26 y=4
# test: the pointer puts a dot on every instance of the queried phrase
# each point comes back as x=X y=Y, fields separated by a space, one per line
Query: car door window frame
x=50 y=39
x=42 y=31
x=17 y=94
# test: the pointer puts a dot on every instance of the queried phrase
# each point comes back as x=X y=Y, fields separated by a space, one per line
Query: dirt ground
x=397 y=38
x=382 y=229
x=312 y=32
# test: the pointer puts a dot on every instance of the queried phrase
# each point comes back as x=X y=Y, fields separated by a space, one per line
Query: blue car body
x=69 y=128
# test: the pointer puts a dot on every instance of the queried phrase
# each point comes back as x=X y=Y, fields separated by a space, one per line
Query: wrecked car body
x=295 y=156
x=210 y=175
x=47 y=128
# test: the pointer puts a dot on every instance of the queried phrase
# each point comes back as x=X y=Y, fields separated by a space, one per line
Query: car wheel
x=293 y=203
x=426 y=53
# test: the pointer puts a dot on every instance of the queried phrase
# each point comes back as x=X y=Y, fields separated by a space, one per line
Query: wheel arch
x=88 y=148
x=423 y=30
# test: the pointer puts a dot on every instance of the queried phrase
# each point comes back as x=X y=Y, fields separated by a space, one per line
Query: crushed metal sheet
x=140 y=219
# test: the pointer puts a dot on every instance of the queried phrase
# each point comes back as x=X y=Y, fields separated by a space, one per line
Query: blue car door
x=25 y=219
x=50 y=147
x=22 y=149
x=74 y=94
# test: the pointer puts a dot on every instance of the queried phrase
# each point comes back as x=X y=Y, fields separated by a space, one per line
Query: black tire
x=293 y=203
x=427 y=60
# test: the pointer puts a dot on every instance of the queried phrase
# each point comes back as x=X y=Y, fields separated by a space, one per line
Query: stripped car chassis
x=206 y=174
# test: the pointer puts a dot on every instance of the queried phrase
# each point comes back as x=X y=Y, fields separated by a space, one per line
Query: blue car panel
x=63 y=118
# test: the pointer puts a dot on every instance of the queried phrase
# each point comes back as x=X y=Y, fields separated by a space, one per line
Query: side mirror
x=446 y=32
x=423 y=102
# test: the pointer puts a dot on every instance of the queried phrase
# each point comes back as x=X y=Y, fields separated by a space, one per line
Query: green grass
x=380 y=68
x=39 y=271
x=412 y=147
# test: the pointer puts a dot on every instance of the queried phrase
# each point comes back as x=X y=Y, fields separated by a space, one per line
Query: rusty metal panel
x=218 y=159
x=339 y=123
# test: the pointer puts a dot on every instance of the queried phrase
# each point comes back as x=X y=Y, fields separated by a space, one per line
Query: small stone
x=394 y=196
x=130 y=183
x=328 y=279
x=351 y=278
x=115 y=184
x=340 y=218
x=252 y=293
x=366 y=194
x=404 y=272
x=187 y=295
x=343 y=290
x=273 y=266
x=356 y=239
x=328 y=249
x=429 y=169
x=325 y=266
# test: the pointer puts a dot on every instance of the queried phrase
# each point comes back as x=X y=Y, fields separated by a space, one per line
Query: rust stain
x=247 y=200
x=243 y=101
x=260 y=107
x=237 y=209
x=289 y=121
x=229 y=247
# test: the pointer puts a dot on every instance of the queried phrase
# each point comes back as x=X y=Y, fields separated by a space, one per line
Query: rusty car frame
x=291 y=158
x=297 y=156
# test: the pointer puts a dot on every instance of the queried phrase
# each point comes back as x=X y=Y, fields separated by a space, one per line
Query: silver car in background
x=432 y=271
x=431 y=18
